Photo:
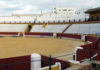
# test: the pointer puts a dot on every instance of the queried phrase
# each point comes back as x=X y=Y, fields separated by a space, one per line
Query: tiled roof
x=93 y=10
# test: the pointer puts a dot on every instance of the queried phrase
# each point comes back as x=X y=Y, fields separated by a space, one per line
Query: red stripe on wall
x=91 y=38
x=8 y=33
x=69 y=36
x=43 y=34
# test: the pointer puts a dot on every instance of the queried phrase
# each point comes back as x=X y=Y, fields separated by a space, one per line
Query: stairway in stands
x=29 y=27
x=44 y=25
x=66 y=28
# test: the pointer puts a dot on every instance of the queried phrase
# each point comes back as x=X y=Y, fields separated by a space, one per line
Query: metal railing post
x=50 y=62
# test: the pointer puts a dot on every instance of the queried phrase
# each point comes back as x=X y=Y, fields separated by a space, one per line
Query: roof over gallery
x=93 y=10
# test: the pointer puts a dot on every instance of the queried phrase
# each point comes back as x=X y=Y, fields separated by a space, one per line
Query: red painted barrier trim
x=51 y=34
x=41 y=34
x=91 y=39
x=69 y=35
x=8 y=33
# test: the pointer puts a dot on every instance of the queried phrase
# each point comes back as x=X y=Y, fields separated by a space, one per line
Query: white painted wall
x=49 y=28
x=84 y=28
x=13 y=27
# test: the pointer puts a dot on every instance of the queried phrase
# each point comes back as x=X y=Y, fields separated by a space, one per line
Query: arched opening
x=30 y=27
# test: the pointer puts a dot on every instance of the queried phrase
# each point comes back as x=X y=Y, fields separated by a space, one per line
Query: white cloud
x=2 y=3
x=27 y=9
x=6 y=4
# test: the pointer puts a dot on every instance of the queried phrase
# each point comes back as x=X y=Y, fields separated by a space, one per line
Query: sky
x=8 y=7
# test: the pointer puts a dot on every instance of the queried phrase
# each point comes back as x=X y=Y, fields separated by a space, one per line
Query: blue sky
x=8 y=7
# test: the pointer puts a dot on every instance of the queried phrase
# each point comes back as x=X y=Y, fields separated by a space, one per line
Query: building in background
x=58 y=14
x=94 y=13
x=64 y=10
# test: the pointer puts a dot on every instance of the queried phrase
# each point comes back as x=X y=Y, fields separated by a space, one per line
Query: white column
x=59 y=64
x=35 y=61
x=83 y=37
x=55 y=35
x=76 y=49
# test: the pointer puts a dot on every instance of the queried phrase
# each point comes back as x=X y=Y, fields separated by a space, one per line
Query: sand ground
x=19 y=46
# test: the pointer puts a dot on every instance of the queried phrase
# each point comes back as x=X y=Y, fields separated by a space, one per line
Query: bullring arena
x=19 y=46
x=41 y=43
x=63 y=45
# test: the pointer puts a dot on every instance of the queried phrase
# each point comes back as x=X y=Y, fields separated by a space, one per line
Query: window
x=59 y=10
x=64 y=9
x=55 y=8
x=69 y=10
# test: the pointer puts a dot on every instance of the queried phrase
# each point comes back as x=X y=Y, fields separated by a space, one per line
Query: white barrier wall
x=76 y=51
x=83 y=37
x=74 y=28
x=49 y=28
x=13 y=27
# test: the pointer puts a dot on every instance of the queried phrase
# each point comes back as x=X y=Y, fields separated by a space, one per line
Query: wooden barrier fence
x=85 y=52
x=15 y=63
x=36 y=33
x=69 y=36
x=9 y=33
x=64 y=64
x=24 y=63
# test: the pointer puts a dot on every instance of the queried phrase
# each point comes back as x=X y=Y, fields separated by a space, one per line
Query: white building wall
x=64 y=10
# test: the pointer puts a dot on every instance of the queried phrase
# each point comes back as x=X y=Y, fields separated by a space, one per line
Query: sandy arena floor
x=12 y=46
